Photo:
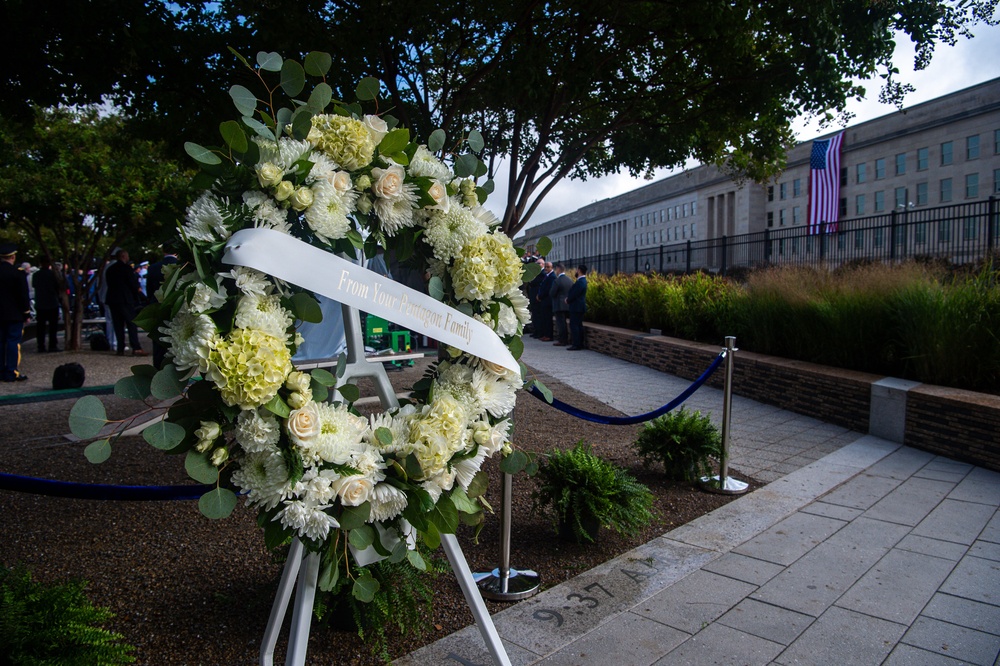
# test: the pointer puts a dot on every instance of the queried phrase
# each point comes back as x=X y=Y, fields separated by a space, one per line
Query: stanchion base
x=730 y=487
x=519 y=584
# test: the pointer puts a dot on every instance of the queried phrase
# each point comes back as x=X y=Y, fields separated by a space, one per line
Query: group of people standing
x=558 y=303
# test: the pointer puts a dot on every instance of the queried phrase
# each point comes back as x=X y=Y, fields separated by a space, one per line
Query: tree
x=561 y=89
x=77 y=184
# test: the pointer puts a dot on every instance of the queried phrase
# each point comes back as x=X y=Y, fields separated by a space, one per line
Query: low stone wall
x=959 y=424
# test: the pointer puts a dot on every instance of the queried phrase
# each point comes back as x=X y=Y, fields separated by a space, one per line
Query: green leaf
x=514 y=463
x=293 y=78
x=320 y=97
x=544 y=246
x=531 y=271
x=320 y=393
x=133 y=387
x=475 y=140
x=394 y=141
x=384 y=436
x=306 y=308
x=416 y=560
x=435 y=288
x=488 y=186
x=341 y=366
x=259 y=128
x=329 y=574
x=278 y=407
x=97 y=452
x=239 y=56
x=201 y=154
x=356 y=239
x=145 y=370
x=218 y=503
x=399 y=552
x=301 y=123
x=234 y=136
x=365 y=587
x=361 y=537
x=466 y=165
x=435 y=141
x=544 y=390
x=350 y=392
x=270 y=62
x=317 y=63
x=324 y=377
x=354 y=517
x=245 y=101
x=444 y=516
x=274 y=534
x=463 y=503
x=167 y=383
x=480 y=482
x=368 y=89
x=164 y=435
x=516 y=347
x=87 y=417
x=282 y=119
x=199 y=468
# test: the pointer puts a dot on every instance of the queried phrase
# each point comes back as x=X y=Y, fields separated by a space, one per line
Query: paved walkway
x=858 y=551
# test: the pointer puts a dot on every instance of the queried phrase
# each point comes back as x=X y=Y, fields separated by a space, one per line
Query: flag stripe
x=824 y=185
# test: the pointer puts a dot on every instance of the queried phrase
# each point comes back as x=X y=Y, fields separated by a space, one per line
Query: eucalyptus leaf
x=350 y=392
x=245 y=101
x=463 y=503
x=269 y=61
x=416 y=560
x=475 y=140
x=399 y=552
x=368 y=89
x=278 y=407
x=259 y=128
x=167 y=383
x=320 y=393
x=466 y=165
x=317 y=63
x=354 y=517
x=282 y=119
x=384 y=436
x=321 y=95
x=200 y=468
x=435 y=142
x=544 y=245
x=87 y=417
x=201 y=154
x=361 y=537
x=134 y=387
x=435 y=288
x=293 y=78
x=301 y=123
x=97 y=452
x=544 y=390
x=516 y=347
x=324 y=377
x=234 y=136
x=394 y=141
x=365 y=587
x=164 y=435
x=488 y=186
x=480 y=482
x=218 y=503
x=514 y=463
x=329 y=574
x=306 y=308
x=531 y=271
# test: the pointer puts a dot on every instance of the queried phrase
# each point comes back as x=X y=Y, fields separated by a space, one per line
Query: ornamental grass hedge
x=917 y=320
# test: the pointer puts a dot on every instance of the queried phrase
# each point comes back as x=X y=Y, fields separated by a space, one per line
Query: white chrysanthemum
x=448 y=232
x=190 y=338
x=369 y=464
x=267 y=214
x=328 y=215
x=257 y=430
x=521 y=305
x=204 y=220
x=205 y=298
x=397 y=213
x=317 y=487
x=495 y=395
x=264 y=475
x=306 y=520
x=263 y=313
x=339 y=435
x=491 y=438
x=285 y=153
x=466 y=470
x=398 y=427
x=425 y=164
x=250 y=281
x=507 y=323
x=456 y=379
x=386 y=502
x=323 y=169
x=486 y=216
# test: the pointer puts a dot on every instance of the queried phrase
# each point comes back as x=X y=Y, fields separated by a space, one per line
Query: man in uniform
x=15 y=309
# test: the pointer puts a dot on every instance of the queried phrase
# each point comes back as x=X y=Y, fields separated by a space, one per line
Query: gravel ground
x=186 y=590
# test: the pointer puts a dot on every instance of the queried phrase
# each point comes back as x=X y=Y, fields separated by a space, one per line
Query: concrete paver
x=857 y=551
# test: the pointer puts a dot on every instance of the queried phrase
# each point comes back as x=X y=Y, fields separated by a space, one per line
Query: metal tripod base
x=731 y=486
x=517 y=585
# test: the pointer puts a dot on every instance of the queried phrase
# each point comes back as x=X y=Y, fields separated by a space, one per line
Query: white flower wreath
x=313 y=467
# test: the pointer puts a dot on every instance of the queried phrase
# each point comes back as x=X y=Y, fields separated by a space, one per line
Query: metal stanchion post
x=723 y=483
x=506 y=583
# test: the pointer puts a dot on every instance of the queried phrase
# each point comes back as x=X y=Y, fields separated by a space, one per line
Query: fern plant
x=50 y=625
x=581 y=491
x=685 y=442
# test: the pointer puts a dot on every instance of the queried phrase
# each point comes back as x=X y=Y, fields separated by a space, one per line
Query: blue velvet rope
x=94 y=491
x=630 y=420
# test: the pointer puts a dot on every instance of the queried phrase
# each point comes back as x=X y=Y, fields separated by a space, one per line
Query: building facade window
x=770 y=218
x=770 y=193
x=781 y=217
x=945 y=190
x=879 y=201
x=880 y=168
x=971 y=186
x=900 y=164
x=923 y=159
x=922 y=196
x=996 y=181
x=946 y=153
x=859 y=204
x=900 y=197
x=996 y=142
x=972 y=147
x=783 y=191
x=861 y=173
x=797 y=187
x=842 y=207
x=796 y=215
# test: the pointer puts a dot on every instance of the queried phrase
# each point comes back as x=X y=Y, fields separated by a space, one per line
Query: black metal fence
x=960 y=234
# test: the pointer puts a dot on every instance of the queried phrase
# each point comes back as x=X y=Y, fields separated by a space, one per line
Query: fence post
x=687 y=268
x=991 y=217
x=725 y=256
x=893 y=223
x=767 y=246
x=723 y=483
x=636 y=267
x=661 y=258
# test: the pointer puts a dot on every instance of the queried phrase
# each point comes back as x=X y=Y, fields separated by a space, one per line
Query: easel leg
x=476 y=604
x=280 y=605
x=305 y=593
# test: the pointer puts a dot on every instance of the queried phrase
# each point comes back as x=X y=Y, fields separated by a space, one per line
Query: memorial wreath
x=322 y=176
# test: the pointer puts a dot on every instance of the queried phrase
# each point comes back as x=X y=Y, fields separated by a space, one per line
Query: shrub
x=684 y=442
x=54 y=624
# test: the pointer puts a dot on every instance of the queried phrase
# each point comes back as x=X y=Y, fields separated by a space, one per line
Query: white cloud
x=967 y=63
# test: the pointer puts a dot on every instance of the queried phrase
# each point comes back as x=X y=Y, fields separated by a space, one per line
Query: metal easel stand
x=506 y=583
x=298 y=639
x=723 y=483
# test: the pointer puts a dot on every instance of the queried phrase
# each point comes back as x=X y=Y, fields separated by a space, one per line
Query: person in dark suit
x=154 y=280
x=560 y=308
x=577 y=299
x=47 y=301
x=15 y=309
x=123 y=299
x=532 y=293
x=544 y=300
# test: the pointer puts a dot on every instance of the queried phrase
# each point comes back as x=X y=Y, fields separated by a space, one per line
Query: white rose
x=298 y=381
x=284 y=190
x=389 y=182
x=209 y=431
x=268 y=174
x=439 y=193
x=301 y=198
x=353 y=490
x=220 y=456
x=342 y=182
x=303 y=423
x=377 y=128
x=298 y=400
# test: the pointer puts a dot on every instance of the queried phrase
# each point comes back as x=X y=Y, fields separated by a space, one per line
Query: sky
x=967 y=63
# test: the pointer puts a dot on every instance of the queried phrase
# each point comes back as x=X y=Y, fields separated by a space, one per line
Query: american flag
x=824 y=185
